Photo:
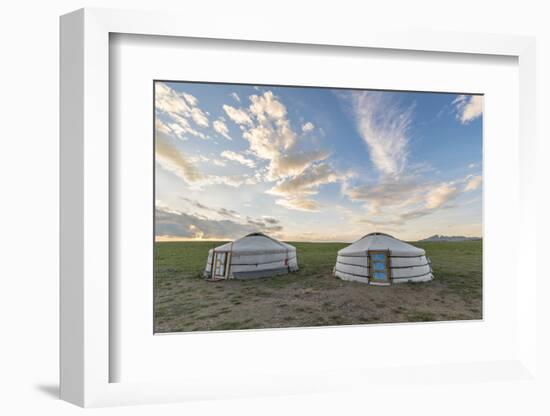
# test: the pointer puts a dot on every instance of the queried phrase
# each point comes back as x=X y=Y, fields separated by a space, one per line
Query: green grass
x=458 y=265
x=184 y=301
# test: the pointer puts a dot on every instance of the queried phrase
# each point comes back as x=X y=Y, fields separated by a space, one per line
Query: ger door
x=220 y=265
x=379 y=271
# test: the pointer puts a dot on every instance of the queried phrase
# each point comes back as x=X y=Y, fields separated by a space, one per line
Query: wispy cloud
x=223 y=212
x=171 y=223
x=239 y=116
x=229 y=180
x=180 y=109
x=168 y=100
x=473 y=182
x=175 y=161
x=179 y=127
x=219 y=162
x=468 y=107
x=307 y=183
x=191 y=99
x=221 y=128
x=388 y=194
x=401 y=192
x=396 y=203
x=440 y=195
x=383 y=124
x=236 y=97
x=265 y=223
x=199 y=117
x=172 y=159
x=299 y=204
x=294 y=162
x=237 y=157
x=295 y=189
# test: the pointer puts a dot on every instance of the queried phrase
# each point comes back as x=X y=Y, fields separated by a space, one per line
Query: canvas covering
x=252 y=256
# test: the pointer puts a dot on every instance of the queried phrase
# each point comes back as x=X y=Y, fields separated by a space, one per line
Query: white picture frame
x=85 y=211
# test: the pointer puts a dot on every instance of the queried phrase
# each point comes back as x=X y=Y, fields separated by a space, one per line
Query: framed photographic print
x=286 y=213
x=274 y=206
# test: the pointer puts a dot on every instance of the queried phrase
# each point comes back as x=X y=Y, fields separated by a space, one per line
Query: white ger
x=380 y=259
x=254 y=255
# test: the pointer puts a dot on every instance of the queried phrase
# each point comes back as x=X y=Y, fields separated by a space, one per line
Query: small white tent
x=254 y=255
x=380 y=259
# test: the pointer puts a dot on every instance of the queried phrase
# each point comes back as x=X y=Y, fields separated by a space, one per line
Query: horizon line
x=189 y=240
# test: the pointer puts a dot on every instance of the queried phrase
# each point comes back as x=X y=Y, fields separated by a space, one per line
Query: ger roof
x=256 y=243
x=381 y=241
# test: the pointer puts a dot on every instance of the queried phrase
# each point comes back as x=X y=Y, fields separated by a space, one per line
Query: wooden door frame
x=388 y=263
x=224 y=275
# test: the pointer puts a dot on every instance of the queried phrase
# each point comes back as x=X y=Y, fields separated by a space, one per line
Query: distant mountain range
x=438 y=237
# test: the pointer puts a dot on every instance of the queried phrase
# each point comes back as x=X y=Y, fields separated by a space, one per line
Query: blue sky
x=315 y=164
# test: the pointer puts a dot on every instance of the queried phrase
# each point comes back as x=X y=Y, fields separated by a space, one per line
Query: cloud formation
x=308 y=183
x=224 y=212
x=296 y=191
x=267 y=128
x=237 y=157
x=468 y=107
x=192 y=100
x=400 y=193
x=396 y=203
x=172 y=159
x=179 y=128
x=383 y=125
x=473 y=182
x=299 y=204
x=221 y=128
x=229 y=180
x=269 y=133
x=199 y=117
x=180 y=110
x=265 y=224
x=175 y=161
x=387 y=194
x=390 y=184
x=307 y=127
x=168 y=100
x=176 y=224
x=237 y=115
x=440 y=195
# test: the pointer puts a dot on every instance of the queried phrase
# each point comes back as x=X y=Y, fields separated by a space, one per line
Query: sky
x=315 y=164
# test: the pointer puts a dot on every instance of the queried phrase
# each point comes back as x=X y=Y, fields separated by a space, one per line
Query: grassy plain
x=184 y=301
